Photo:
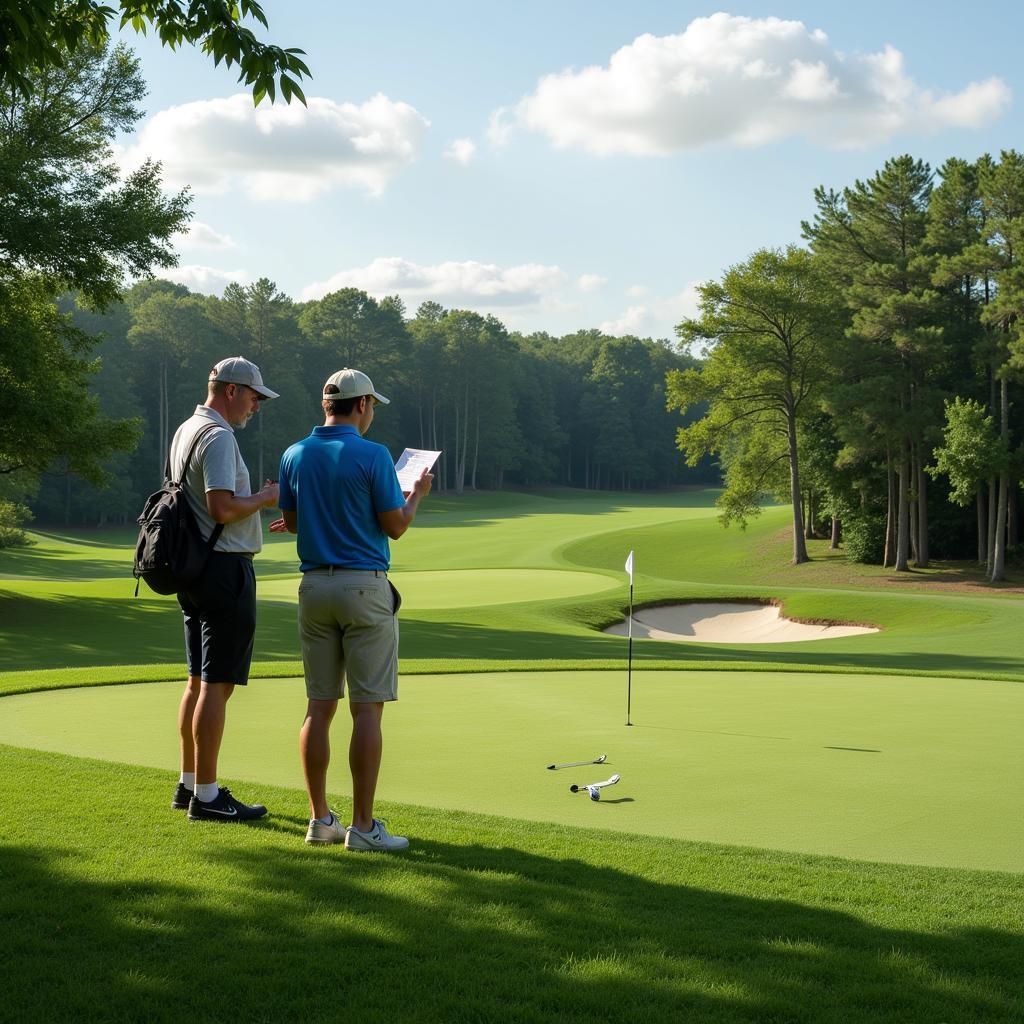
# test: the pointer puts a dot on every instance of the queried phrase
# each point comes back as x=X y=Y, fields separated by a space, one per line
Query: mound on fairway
x=732 y=623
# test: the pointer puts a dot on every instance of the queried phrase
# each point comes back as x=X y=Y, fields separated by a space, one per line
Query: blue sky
x=569 y=164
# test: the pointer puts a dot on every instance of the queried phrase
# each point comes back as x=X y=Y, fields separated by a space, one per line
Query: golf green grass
x=923 y=771
x=704 y=886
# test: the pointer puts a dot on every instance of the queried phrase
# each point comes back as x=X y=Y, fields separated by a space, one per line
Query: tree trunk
x=903 y=512
x=993 y=504
x=1013 y=515
x=809 y=517
x=476 y=452
x=836 y=532
x=259 y=449
x=912 y=515
x=161 y=444
x=889 y=558
x=999 y=550
x=460 y=456
x=923 y=554
x=982 y=522
x=799 y=543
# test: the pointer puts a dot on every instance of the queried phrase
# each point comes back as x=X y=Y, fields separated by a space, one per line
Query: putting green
x=469 y=587
x=885 y=768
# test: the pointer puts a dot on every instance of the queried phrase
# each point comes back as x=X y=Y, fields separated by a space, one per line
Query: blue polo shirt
x=337 y=481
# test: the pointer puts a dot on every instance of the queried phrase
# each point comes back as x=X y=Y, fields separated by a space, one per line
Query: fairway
x=477 y=587
x=868 y=767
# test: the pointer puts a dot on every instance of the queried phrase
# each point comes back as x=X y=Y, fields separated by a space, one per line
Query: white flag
x=629 y=567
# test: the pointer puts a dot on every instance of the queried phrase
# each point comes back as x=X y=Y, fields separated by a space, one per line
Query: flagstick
x=629 y=663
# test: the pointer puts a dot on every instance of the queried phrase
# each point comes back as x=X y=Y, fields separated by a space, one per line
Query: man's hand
x=269 y=494
x=278 y=526
x=398 y=520
x=422 y=486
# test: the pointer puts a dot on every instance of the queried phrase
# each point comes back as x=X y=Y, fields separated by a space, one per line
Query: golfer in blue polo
x=340 y=494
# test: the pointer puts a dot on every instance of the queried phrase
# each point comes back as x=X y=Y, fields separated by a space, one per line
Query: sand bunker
x=731 y=623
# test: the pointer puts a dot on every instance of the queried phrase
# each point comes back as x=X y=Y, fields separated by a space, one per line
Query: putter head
x=613 y=780
x=601 y=759
x=595 y=792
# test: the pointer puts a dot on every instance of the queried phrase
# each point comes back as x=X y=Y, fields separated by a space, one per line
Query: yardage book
x=411 y=464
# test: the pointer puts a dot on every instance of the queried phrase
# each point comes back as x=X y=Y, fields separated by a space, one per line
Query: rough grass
x=115 y=908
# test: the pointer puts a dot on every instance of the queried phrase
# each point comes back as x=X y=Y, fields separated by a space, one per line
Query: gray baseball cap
x=352 y=384
x=239 y=370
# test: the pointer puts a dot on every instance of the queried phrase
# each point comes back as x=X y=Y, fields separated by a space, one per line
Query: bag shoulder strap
x=188 y=458
x=218 y=528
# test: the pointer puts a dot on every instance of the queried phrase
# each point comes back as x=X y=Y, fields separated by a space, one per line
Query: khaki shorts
x=349 y=629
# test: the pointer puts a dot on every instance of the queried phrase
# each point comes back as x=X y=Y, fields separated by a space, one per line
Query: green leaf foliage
x=41 y=35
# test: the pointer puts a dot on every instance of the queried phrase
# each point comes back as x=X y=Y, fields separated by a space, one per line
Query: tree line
x=867 y=378
x=506 y=409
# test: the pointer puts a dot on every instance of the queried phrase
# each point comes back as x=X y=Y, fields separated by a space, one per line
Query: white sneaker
x=321 y=834
x=377 y=839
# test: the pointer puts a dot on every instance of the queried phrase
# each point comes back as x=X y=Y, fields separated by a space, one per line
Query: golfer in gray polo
x=219 y=609
x=340 y=494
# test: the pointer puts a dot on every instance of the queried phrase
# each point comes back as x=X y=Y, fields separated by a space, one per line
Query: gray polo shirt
x=216 y=466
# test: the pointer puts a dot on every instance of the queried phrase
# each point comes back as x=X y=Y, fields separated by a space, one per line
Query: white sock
x=329 y=820
x=188 y=780
x=207 y=791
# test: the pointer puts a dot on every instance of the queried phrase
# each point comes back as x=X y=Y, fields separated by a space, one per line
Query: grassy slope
x=682 y=552
x=482 y=920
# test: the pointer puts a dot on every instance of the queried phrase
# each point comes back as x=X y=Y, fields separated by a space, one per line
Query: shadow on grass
x=468 y=933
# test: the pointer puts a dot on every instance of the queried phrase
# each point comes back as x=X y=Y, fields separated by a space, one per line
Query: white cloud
x=207 y=280
x=466 y=283
x=590 y=282
x=657 y=318
x=282 y=152
x=683 y=304
x=461 y=151
x=637 y=291
x=201 y=236
x=741 y=81
x=633 y=321
x=499 y=127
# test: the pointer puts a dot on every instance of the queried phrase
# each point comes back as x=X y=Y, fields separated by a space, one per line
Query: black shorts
x=220 y=620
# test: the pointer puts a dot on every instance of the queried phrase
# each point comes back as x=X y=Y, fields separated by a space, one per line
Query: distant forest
x=508 y=410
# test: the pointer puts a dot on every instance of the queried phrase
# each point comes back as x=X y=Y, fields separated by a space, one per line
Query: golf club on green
x=594 y=788
x=576 y=764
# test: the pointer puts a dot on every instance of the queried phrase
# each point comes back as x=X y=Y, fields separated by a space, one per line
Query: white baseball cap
x=238 y=370
x=352 y=384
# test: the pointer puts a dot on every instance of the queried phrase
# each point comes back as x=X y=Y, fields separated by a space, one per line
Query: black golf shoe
x=224 y=807
x=181 y=798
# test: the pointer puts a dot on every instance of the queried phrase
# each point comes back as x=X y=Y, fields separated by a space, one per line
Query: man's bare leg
x=208 y=728
x=186 y=712
x=315 y=751
x=364 y=754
